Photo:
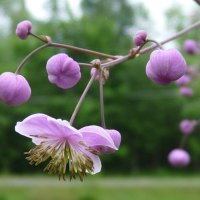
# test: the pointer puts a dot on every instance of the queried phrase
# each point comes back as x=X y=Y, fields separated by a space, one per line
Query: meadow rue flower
x=23 y=29
x=165 y=66
x=184 y=80
x=140 y=38
x=186 y=91
x=190 y=46
x=179 y=158
x=102 y=141
x=187 y=126
x=57 y=140
x=63 y=71
x=14 y=88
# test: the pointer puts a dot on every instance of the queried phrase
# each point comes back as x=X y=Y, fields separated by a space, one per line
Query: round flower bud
x=186 y=91
x=14 y=89
x=190 y=46
x=165 y=66
x=63 y=71
x=179 y=158
x=187 y=126
x=140 y=38
x=23 y=29
x=184 y=80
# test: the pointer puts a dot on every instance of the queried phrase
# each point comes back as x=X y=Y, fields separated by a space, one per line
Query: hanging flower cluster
x=179 y=157
x=57 y=141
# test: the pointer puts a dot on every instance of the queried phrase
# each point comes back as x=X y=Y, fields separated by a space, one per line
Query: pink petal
x=97 y=136
x=44 y=126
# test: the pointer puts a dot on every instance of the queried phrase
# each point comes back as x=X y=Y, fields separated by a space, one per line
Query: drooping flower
x=191 y=47
x=23 y=29
x=103 y=142
x=179 y=158
x=14 y=88
x=184 y=80
x=165 y=66
x=186 y=91
x=187 y=126
x=63 y=144
x=140 y=38
x=63 y=71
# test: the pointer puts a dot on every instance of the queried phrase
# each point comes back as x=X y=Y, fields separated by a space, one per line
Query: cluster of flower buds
x=55 y=139
x=179 y=157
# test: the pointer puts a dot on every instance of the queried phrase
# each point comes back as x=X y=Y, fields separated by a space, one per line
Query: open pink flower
x=63 y=144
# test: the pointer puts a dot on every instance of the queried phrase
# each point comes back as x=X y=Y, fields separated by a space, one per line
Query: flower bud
x=140 y=38
x=105 y=74
x=63 y=71
x=186 y=91
x=165 y=66
x=179 y=158
x=23 y=29
x=184 y=80
x=14 y=88
x=190 y=46
x=187 y=126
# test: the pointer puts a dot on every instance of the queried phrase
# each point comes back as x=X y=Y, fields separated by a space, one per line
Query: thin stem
x=29 y=56
x=183 y=141
x=85 y=64
x=103 y=123
x=38 y=37
x=83 y=50
x=81 y=99
x=157 y=43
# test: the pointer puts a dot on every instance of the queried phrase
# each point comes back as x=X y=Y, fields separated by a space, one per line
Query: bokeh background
x=147 y=115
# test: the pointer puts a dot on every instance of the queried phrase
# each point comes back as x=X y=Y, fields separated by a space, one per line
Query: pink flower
x=63 y=144
x=186 y=91
x=165 y=66
x=14 y=88
x=190 y=46
x=23 y=29
x=63 y=71
x=184 y=80
x=140 y=38
x=107 y=141
x=179 y=158
x=187 y=126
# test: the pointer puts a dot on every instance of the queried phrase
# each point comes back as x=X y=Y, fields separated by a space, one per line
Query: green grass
x=39 y=188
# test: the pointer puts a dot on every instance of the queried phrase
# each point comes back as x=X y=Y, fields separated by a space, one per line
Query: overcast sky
x=156 y=8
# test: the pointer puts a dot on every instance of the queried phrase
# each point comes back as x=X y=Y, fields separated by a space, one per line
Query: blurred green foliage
x=146 y=115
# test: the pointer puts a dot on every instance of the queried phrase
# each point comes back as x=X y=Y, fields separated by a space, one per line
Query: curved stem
x=157 y=43
x=71 y=121
x=82 y=50
x=103 y=123
x=29 y=56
